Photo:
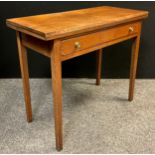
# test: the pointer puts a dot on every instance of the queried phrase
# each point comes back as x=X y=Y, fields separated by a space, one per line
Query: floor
x=97 y=119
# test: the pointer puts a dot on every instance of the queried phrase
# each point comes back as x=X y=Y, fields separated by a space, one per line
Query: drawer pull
x=131 y=29
x=77 y=45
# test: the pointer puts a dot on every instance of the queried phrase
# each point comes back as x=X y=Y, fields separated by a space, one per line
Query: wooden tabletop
x=57 y=25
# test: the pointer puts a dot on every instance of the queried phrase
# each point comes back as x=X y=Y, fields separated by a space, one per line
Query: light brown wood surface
x=65 y=35
x=25 y=76
x=57 y=25
x=57 y=93
x=133 y=68
x=96 y=38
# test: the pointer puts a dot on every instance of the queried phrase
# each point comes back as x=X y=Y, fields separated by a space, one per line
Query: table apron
x=81 y=44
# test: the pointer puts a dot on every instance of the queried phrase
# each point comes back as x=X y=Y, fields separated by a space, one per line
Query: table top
x=57 y=25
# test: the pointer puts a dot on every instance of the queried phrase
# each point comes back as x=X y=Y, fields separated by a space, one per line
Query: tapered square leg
x=25 y=76
x=57 y=94
x=133 y=68
x=98 y=66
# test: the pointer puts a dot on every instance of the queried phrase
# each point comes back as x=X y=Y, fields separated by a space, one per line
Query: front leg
x=25 y=76
x=57 y=93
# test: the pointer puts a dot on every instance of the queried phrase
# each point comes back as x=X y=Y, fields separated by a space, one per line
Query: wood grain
x=57 y=25
x=133 y=68
x=40 y=46
x=57 y=93
x=92 y=49
x=65 y=35
x=25 y=76
x=96 y=38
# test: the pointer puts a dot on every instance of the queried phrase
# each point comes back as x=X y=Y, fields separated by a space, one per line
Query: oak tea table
x=65 y=35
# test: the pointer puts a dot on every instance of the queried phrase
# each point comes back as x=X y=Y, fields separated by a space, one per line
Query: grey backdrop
x=116 y=59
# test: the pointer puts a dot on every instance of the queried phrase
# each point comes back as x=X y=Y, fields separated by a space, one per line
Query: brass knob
x=131 y=29
x=77 y=45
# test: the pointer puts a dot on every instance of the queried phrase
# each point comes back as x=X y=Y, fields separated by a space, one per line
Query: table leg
x=25 y=76
x=98 y=66
x=57 y=94
x=133 y=68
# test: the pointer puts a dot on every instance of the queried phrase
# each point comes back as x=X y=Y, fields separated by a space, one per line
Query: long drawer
x=86 y=41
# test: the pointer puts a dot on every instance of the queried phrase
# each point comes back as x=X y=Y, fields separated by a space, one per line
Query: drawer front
x=76 y=44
